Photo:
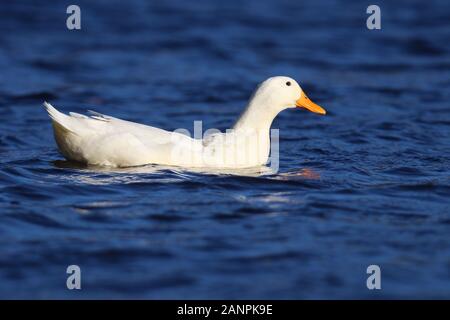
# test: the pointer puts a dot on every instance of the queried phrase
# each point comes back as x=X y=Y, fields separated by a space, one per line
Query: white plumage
x=107 y=141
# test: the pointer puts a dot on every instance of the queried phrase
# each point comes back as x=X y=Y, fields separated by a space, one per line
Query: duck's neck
x=253 y=132
x=256 y=117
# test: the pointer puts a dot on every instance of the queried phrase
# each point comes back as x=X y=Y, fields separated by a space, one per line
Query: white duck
x=106 y=141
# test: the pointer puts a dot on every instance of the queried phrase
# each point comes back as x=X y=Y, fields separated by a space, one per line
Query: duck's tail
x=60 y=120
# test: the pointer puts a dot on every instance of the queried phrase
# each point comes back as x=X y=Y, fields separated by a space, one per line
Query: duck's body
x=107 y=141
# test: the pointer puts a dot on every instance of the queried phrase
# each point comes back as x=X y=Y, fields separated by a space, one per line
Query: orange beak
x=304 y=102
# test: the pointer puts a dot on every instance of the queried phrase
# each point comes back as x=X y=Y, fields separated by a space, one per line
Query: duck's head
x=279 y=93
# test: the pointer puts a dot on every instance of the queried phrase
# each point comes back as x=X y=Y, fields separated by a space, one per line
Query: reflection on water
x=105 y=175
x=148 y=173
x=306 y=173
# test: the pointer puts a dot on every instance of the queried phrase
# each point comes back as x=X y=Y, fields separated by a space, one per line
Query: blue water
x=366 y=184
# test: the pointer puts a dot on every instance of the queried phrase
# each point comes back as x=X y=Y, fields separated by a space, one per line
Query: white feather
x=104 y=140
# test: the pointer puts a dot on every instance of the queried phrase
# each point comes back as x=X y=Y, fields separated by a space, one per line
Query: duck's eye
x=288 y=83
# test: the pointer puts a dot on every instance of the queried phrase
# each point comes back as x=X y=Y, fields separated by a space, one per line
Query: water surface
x=366 y=184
